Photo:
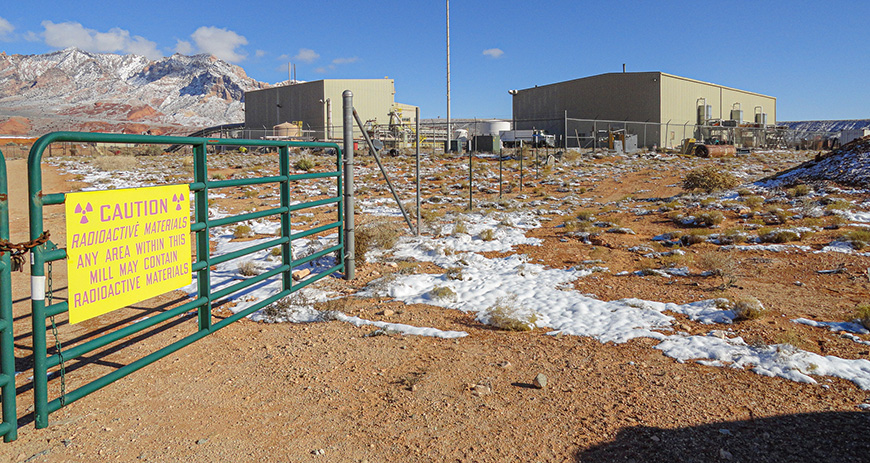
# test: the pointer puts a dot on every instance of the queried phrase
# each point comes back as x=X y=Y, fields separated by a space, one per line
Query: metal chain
x=17 y=250
x=57 y=346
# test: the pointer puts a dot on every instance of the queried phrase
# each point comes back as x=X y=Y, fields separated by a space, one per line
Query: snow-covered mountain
x=827 y=126
x=75 y=89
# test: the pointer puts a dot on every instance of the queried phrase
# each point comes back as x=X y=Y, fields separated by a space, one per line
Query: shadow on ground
x=816 y=437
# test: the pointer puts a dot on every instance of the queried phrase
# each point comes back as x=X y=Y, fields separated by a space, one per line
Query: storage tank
x=493 y=127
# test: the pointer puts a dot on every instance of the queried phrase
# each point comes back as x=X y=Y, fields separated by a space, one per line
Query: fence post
x=9 y=423
x=417 y=133
x=349 y=247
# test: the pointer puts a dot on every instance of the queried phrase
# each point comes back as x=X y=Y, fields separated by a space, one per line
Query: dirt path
x=331 y=392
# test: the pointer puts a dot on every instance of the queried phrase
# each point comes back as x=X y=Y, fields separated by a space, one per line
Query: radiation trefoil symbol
x=177 y=199
x=84 y=211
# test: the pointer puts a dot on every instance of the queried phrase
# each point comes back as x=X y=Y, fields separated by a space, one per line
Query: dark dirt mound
x=847 y=165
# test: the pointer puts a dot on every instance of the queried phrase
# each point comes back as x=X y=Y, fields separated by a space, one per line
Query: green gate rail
x=9 y=425
x=201 y=225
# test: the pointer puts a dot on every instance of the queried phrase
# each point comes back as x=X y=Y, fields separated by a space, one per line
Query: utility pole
x=449 y=136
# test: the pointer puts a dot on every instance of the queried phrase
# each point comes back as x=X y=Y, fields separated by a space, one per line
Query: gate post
x=349 y=247
x=9 y=424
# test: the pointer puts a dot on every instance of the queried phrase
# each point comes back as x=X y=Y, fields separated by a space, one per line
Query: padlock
x=17 y=262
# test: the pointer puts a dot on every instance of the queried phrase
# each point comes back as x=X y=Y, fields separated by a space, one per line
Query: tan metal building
x=665 y=100
x=317 y=106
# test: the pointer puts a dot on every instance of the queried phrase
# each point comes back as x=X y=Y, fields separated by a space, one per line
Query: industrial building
x=673 y=107
x=313 y=110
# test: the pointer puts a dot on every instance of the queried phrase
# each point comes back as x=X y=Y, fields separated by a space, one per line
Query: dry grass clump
x=753 y=201
x=720 y=264
x=114 y=163
x=284 y=307
x=487 y=235
x=778 y=236
x=505 y=315
x=586 y=216
x=862 y=314
x=453 y=273
x=859 y=239
x=748 y=308
x=709 y=179
x=798 y=190
x=459 y=226
x=248 y=268
x=242 y=231
x=304 y=164
x=441 y=293
x=838 y=205
x=709 y=218
x=375 y=234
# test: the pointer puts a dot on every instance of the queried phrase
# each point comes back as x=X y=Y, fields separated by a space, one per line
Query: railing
x=44 y=310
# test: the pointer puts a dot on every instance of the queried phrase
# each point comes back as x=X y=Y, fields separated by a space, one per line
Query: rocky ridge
x=75 y=89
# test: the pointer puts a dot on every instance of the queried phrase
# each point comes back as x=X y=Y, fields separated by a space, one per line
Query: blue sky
x=811 y=55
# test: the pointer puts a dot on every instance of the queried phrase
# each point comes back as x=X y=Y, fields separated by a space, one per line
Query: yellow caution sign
x=125 y=246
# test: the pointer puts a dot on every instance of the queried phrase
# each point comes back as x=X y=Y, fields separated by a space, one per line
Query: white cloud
x=260 y=53
x=6 y=29
x=184 y=47
x=493 y=52
x=321 y=70
x=73 y=34
x=220 y=42
x=306 y=55
x=345 y=60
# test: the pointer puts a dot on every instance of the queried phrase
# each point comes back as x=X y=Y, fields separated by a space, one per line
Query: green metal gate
x=9 y=424
x=45 y=309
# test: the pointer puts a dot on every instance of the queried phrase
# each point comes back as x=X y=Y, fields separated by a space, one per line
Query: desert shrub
x=862 y=314
x=304 y=163
x=838 y=205
x=375 y=234
x=459 y=226
x=248 y=268
x=798 y=190
x=505 y=315
x=285 y=307
x=585 y=216
x=754 y=201
x=777 y=215
x=748 y=308
x=487 y=235
x=720 y=264
x=859 y=239
x=453 y=273
x=709 y=218
x=709 y=179
x=733 y=236
x=441 y=293
x=275 y=252
x=694 y=237
x=744 y=192
x=242 y=231
x=779 y=236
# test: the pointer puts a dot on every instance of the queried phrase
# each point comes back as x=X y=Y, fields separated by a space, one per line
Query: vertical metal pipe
x=470 y=182
x=565 y=133
x=286 y=248
x=37 y=287
x=203 y=276
x=347 y=111
x=417 y=133
x=7 y=336
x=449 y=135
x=535 y=144
x=328 y=119
x=521 y=160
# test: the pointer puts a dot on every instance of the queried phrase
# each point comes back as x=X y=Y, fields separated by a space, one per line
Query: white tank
x=494 y=127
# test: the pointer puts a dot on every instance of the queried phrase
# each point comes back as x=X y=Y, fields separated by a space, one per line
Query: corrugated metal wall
x=305 y=102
